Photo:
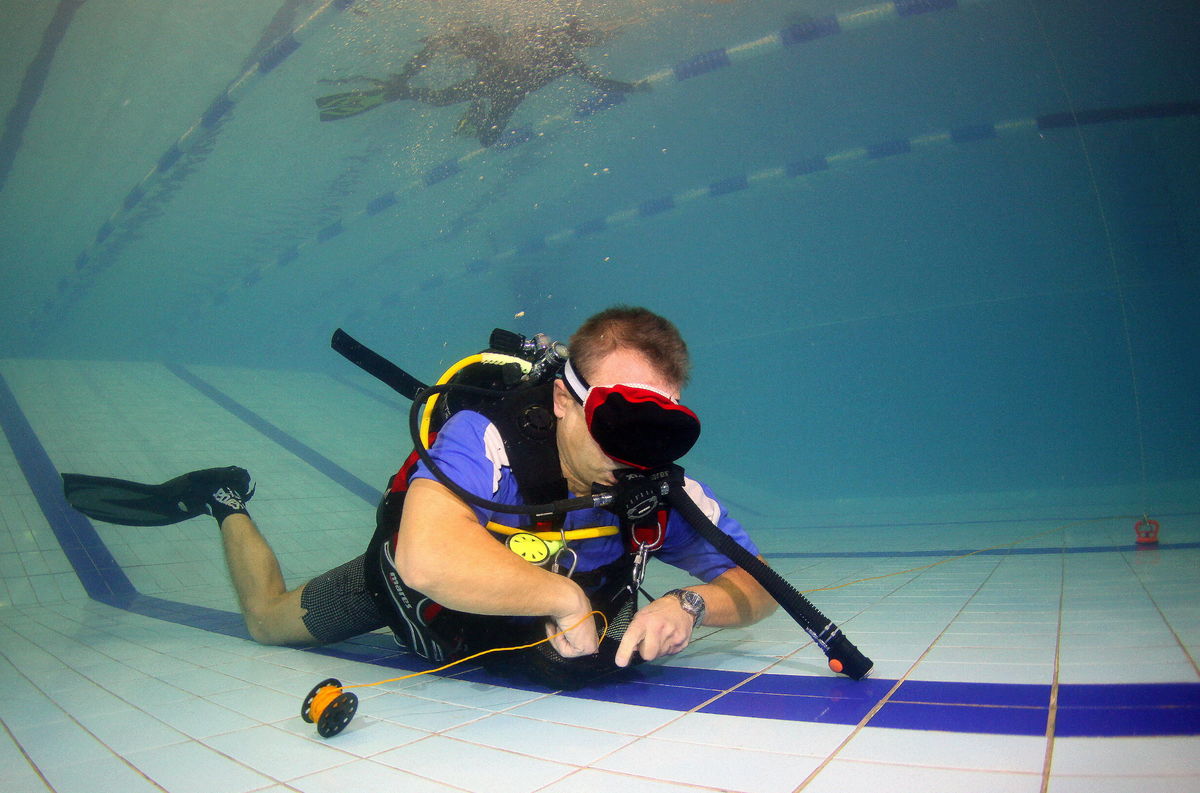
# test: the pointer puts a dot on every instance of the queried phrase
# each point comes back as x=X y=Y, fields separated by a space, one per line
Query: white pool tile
x=1020 y=674
x=277 y=753
x=725 y=768
x=1120 y=757
x=607 y=716
x=558 y=742
x=131 y=730
x=475 y=768
x=1124 y=784
x=364 y=775
x=420 y=714
x=195 y=768
x=589 y=780
x=768 y=735
x=259 y=703
x=203 y=682
x=844 y=775
x=110 y=775
x=963 y=751
x=198 y=718
x=58 y=743
x=470 y=695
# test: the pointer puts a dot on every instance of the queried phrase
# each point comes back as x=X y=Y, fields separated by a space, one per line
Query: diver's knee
x=262 y=631
x=268 y=626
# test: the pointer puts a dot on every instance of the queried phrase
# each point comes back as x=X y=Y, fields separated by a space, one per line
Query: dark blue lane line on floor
x=1084 y=710
x=391 y=404
x=101 y=576
x=305 y=452
x=1024 y=520
x=1162 y=546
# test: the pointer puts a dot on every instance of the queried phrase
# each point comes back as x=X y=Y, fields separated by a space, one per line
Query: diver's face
x=582 y=460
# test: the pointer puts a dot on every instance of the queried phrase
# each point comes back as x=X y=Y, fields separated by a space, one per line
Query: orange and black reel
x=329 y=706
x=332 y=708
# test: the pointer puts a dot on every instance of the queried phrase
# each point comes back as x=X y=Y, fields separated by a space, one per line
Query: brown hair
x=632 y=328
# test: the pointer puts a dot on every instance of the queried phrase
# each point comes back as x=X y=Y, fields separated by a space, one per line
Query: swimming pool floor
x=1060 y=658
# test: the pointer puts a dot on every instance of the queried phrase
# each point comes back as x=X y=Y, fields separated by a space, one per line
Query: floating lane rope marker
x=806 y=167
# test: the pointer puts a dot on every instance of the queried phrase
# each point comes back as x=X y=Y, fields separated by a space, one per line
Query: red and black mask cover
x=634 y=424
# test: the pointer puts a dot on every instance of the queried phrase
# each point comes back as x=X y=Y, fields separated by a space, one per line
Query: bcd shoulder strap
x=526 y=423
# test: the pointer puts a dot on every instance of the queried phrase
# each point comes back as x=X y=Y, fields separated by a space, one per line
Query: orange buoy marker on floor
x=1146 y=531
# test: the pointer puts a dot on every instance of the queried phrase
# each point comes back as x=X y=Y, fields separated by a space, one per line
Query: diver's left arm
x=733 y=599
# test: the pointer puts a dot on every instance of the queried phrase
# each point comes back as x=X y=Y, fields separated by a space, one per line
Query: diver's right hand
x=577 y=628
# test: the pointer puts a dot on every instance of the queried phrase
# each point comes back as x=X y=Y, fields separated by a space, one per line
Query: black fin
x=335 y=107
x=135 y=504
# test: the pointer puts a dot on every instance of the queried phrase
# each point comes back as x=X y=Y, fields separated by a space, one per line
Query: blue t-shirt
x=469 y=450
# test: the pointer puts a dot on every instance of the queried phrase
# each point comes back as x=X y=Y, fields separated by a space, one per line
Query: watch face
x=692 y=602
x=529 y=547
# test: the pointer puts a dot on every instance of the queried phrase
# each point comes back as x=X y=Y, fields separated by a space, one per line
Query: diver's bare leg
x=492 y=126
x=273 y=614
x=450 y=95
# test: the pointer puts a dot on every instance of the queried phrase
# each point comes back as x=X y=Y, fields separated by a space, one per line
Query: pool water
x=936 y=263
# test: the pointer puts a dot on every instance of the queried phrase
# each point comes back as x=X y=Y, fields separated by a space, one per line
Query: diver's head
x=631 y=327
x=618 y=400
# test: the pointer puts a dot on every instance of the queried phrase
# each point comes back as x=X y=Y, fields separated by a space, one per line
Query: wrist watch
x=692 y=603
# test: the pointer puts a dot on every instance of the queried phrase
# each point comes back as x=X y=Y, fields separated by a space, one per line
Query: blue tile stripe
x=963 y=718
x=1041 y=551
x=101 y=576
x=1083 y=710
x=1135 y=721
x=318 y=461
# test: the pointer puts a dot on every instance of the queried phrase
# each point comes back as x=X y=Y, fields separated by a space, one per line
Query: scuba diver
x=452 y=576
x=508 y=67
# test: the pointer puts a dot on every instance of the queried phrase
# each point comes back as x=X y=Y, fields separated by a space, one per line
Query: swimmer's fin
x=136 y=504
x=338 y=106
x=335 y=107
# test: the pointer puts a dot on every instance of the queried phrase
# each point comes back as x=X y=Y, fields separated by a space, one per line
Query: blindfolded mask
x=634 y=424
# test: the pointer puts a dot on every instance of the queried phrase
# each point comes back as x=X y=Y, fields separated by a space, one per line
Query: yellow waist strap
x=587 y=533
